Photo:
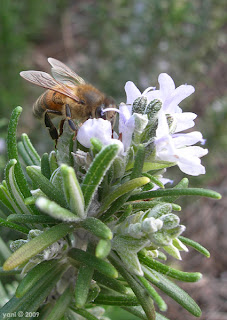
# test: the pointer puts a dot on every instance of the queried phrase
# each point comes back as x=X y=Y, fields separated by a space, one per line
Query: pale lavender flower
x=178 y=148
x=99 y=129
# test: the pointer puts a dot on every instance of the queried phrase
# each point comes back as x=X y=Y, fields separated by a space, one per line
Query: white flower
x=169 y=95
x=132 y=92
x=170 y=98
x=97 y=128
x=126 y=124
x=178 y=148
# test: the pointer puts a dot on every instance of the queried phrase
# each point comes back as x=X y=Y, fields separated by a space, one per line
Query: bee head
x=106 y=110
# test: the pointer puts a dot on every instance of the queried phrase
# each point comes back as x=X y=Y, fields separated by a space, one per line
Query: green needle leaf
x=13 y=153
x=97 y=170
x=103 y=249
x=61 y=305
x=37 y=245
x=83 y=282
x=84 y=313
x=90 y=260
x=123 y=189
x=27 y=218
x=35 y=158
x=46 y=186
x=13 y=187
x=34 y=276
x=176 y=192
x=176 y=293
x=13 y=226
x=116 y=300
x=55 y=211
x=141 y=294
x=32 y=300
x=73 y=193
x=195 y=245
x=45 y=166
x=153 y=293
x=97 y=227
x=108 y=282
x=173 y=273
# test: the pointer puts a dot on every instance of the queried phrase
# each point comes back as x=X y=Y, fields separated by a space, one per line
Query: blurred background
x=109 y=43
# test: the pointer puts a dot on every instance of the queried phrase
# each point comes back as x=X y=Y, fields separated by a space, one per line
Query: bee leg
x=52 y=129
x=70 y=121
x=73 y=127
x=61 y=127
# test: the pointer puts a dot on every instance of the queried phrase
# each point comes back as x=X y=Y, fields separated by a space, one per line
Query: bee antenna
x=109 y=109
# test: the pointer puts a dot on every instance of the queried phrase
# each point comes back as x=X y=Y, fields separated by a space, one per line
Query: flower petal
x=94 y=128
x=187 y=139
x=194 y=170
x=167 y=85
x=184 y=120
x=177 y=96
x=132 y=92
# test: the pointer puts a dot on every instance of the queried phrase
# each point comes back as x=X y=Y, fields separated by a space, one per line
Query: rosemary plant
x=96 y=222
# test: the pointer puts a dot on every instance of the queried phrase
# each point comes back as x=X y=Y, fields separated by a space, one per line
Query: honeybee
x=69 y=97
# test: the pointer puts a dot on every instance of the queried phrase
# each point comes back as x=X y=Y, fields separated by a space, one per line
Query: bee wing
x=45 y=80
x=64 y=74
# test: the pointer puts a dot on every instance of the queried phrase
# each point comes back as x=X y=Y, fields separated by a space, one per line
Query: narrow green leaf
x=32 y=300
x=46 y=186
x=14 y=188
x=55 y=211
x=27 y=218
x=97 y=144
x=123 y=189
x=7 y=199
x=155 y=180
x=183 y=184
x=53 y=161
x=84 y=313
x=103 y=249
x=136 y=311
x=173 y=273
x=34 y=276
x=110 y=283
x=83 y=282
x=13 y=226
x=153 y=293
x=73 y=193
x=116 y=300
x=98 y=264
x=176 y=293
x=22 y=152
x=9 y=273
x=139 y=161
x=30 y=150
x=141 y=294
x=61 y=305
x=97 y=227
x=37 y=245
x=148 y=166
x=195 y=245
x=97 y=170
x=45 y=166
x=13 y=153
x=176 y=192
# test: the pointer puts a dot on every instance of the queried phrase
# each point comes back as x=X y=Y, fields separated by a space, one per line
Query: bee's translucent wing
x=45 y=80
x=64 y=74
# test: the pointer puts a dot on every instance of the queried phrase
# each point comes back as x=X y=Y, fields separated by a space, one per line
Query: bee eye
x=99 y=113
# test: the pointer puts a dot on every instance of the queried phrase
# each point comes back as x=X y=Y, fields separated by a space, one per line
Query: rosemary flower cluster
x=94 y=218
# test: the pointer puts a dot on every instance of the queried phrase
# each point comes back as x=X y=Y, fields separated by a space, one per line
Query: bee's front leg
x=70 y=121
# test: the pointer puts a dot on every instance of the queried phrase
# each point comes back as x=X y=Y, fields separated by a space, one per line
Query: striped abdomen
x=49 y=100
